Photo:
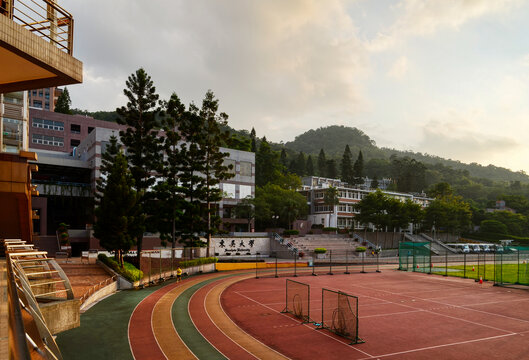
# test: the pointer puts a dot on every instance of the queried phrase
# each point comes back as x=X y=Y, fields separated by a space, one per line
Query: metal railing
x=44 y=18
x=97 y=287
x=28 y=269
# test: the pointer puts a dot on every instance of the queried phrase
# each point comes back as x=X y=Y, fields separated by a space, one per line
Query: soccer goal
x=298 y=300
x=339 y=314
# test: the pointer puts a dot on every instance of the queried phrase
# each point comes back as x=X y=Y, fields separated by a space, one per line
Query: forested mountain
x=333 y=140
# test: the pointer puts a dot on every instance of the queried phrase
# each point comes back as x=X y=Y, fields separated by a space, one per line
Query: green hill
x=333 y=140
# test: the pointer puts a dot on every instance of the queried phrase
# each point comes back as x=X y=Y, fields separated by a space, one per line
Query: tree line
x=166 y=178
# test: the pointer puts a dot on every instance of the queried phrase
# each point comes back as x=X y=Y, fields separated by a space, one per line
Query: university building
x=70 y=149
x=343 y=215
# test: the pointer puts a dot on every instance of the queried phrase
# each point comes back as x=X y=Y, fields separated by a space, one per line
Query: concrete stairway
x=338 y=245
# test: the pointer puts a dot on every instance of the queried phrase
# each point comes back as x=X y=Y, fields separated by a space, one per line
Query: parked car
x=475 y=248
x=485 y=248
x=465 y=249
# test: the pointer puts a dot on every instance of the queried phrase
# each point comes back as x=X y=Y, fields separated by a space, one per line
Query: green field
x=507 y=273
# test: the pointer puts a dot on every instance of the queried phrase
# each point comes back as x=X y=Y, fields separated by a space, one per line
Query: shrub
x=320 y=250
x=290 y=232
x=196 y=262
x=360 y=249
x=330 y=229
x=128 y=271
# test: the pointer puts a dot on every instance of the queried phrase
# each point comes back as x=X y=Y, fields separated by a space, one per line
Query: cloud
x=461 y=137
x=265 y=61
x=399 y=68
x=425 y=17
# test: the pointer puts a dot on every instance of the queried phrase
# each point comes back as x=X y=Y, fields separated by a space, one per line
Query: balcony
x=36 y=46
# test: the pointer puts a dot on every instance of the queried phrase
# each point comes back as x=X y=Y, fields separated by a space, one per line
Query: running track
x=188 y=321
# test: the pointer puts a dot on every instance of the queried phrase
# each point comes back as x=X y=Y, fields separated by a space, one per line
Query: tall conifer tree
x=64 y=103
x=322 y=164
x=140 y=137
x=214 y=171
x=347 y=166
x=358 y=169
x=116 y=212
x=310 y=166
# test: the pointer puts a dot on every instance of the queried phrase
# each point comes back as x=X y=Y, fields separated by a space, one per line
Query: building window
x=246 y=168
x=228 y=162
x=75 y=129
x=47 y=124
x=245 y=191
x=90 y=129
x=47 y=140
x=74 y=142
x=34 y=92
x=229 y=190
x=37 y=104
x=41 y=93
x=47 y=105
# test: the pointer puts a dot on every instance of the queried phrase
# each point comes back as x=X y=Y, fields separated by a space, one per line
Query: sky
x=444 y=77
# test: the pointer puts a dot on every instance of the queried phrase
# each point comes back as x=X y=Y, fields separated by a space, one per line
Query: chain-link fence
x=504 y=265
x=161 y=264
x=301 y=263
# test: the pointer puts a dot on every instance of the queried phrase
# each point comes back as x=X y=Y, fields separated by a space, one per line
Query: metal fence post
x=518 y=271
x=150 y=266
x=256 y=263
x=276 y=264
x=313 y=265
x=378 y=265
x=172 y=258
x=446 y=262
x=363 y=261
x=160 y=279
x=464 y=265
x=346 y=263
x=295 y=264
x=330 y=262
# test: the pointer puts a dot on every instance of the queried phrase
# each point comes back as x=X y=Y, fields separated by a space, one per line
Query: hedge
x=494 y=237
x=128 y=271
x=196 y=262
x=320 y=250
x=360 y=249
x=330 y=229
x=290 y=232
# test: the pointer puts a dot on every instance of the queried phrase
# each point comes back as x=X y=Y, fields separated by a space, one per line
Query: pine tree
x=347 y=166
x=215 y=171
x=64 y=103
x=267 y=166
x=283 y=160
x=253 y=139
x=331 y=172
x=358 y=169
x=309 y=169
x=117 y=211
x=322 y=164
x=374 y=183
x=140 y=138
x=193 y=164
x=300 y=164
x=169 y=193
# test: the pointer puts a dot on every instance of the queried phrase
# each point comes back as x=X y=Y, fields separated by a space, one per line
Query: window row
x=230 y=193
x=245 y=167
x=48 y=124
x=47 y=140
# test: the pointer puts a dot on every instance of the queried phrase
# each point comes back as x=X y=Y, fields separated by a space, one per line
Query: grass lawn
x=508 y=273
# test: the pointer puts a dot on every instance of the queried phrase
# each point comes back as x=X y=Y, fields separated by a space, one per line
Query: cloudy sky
x=443 y=77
